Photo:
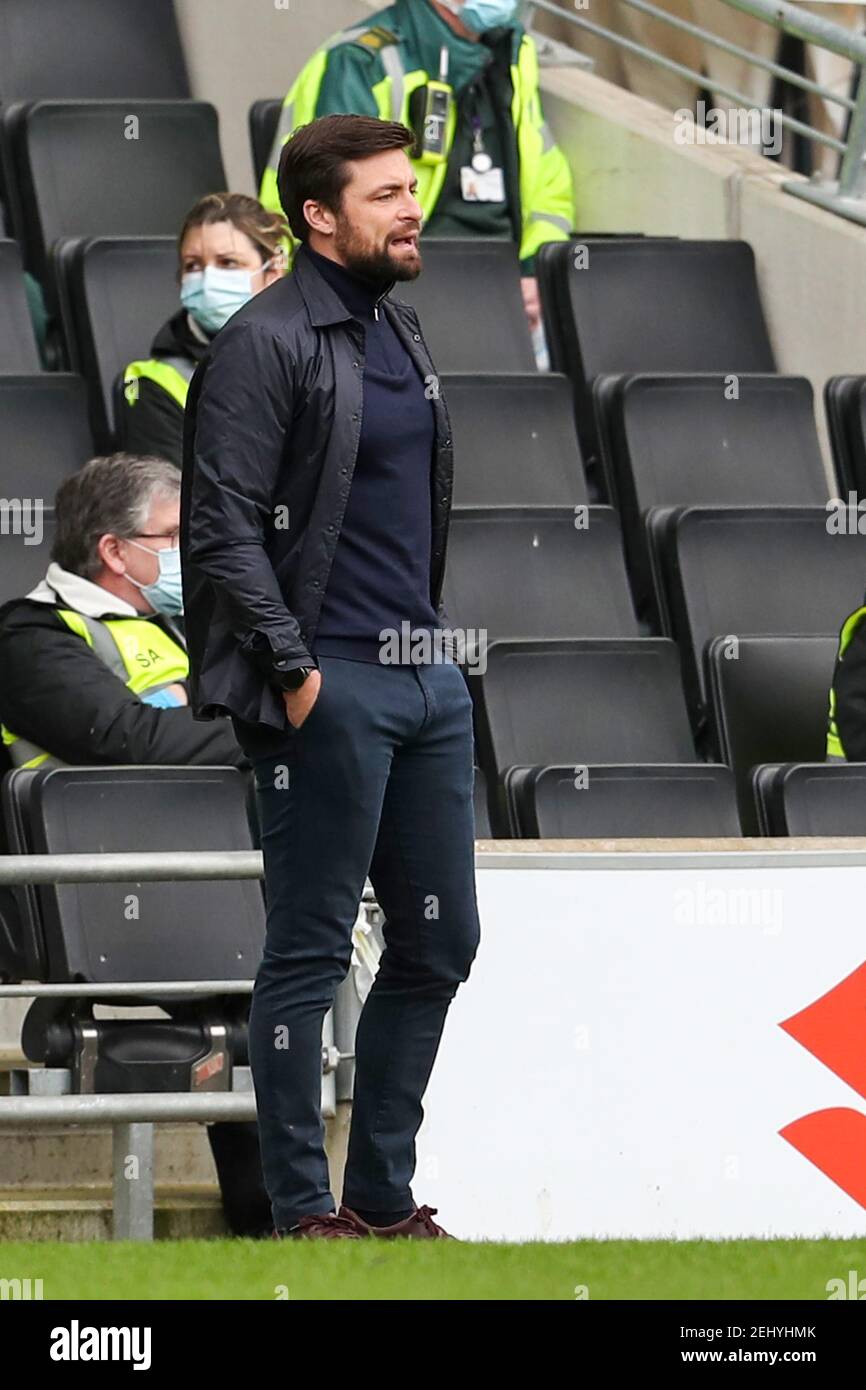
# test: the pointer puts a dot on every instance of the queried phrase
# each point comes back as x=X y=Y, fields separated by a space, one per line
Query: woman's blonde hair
x=267 y=231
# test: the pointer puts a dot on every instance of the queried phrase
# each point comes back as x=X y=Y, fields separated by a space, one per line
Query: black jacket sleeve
x=850 y=685
x=243 y=401
x=56 y=692
x=153 y=425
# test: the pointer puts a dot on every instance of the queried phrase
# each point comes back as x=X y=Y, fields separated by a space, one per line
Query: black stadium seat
x=749 y=572
x=655 y=305
x=479 y=799
x=470 y=305
x=90 y=48
x=44 y=434
x=579 y=702
x=514 y=440
x=18 y=350
x=24 y=557
x=768 y=705
x=115 y=292
x=109 y=932
x=845 y=403
x=264 y=117
x=107 y=168
x=619 y=802
x=531 y=572
x=812 y=799
x=681 y=441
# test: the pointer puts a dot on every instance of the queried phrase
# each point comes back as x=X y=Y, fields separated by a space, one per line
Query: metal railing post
x=132 y=1157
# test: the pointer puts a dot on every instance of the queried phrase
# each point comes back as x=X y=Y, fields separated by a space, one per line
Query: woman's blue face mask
x=212 y=295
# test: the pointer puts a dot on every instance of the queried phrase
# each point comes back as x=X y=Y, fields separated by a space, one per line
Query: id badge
x=486 y=187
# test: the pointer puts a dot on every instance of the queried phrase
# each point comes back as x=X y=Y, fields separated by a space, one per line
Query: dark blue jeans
x=377 y=781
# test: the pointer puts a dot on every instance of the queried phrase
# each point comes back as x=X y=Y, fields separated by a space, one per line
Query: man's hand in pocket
x=300 y=702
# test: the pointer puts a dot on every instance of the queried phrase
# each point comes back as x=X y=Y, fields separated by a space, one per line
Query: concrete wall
x=631 y=175
x=237 y=53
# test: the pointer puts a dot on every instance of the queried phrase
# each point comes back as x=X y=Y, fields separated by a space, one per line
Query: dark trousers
x=377 y=781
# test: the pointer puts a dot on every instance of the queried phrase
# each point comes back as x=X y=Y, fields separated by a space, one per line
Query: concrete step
x=35 y=1158
x=84 y=1213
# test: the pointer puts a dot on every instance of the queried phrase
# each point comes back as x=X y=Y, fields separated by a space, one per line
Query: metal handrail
x=845 y=195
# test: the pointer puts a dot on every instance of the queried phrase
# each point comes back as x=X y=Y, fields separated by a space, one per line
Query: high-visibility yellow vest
x=171 y=374
x=546 y=196
x=834 y=742
x=139 y=653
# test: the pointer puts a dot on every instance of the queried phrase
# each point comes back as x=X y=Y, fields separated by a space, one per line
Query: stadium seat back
x=116 y=293
x=619 y=802
x=514 y=440
x=26 y=954
x=18 y=350
x=533 y=572
x=146 y=931
x=769 y=705
x=686 y=442
x=763 y=571
x=470 y=305
x=44 y=434
x=582 y=702
x=90 y=48
x=656 y=305
x=112 y=168
x=25 y=551
x=264 y=117
x=819 y=799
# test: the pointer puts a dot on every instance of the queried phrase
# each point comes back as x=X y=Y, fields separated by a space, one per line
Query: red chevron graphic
x=833 y=1029
x=835 y=1141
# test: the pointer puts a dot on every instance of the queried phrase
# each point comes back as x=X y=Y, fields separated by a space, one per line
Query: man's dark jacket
x=270 y=441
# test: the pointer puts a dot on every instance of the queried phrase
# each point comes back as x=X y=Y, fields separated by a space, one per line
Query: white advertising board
x=617 y=1065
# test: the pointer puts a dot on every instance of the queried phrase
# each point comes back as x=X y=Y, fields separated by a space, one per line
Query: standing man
x=317 y=491
x=491 y=167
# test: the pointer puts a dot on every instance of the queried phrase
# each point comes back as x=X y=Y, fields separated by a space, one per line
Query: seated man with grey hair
x=93 y=670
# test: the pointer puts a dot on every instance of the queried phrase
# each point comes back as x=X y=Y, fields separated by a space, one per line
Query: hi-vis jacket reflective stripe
x=834 y=742
x=546 y=196
x=139 y=653
x=171 y=374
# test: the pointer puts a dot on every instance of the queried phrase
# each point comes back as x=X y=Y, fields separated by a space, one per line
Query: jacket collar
x=323 y=303
x=61 y=586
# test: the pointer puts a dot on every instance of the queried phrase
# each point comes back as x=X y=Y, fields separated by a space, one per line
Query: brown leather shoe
x=419 y=1226
x=323 y=1225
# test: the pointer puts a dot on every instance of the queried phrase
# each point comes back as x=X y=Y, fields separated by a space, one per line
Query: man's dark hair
x=313 y=163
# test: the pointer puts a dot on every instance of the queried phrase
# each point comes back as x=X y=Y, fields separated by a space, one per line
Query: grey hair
x=108 y=496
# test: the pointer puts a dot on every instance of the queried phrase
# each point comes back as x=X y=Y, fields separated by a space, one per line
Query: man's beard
x=372 y=263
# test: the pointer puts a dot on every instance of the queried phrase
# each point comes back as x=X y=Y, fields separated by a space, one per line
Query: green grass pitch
x=406 y=1269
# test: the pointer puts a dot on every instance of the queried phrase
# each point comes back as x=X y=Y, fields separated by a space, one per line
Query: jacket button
x=333 y=528
x=417 y=337
x=447 y=444
x=355 y=417
x=344 y=471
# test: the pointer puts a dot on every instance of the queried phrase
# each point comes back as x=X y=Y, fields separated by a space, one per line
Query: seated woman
x=229 y=248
